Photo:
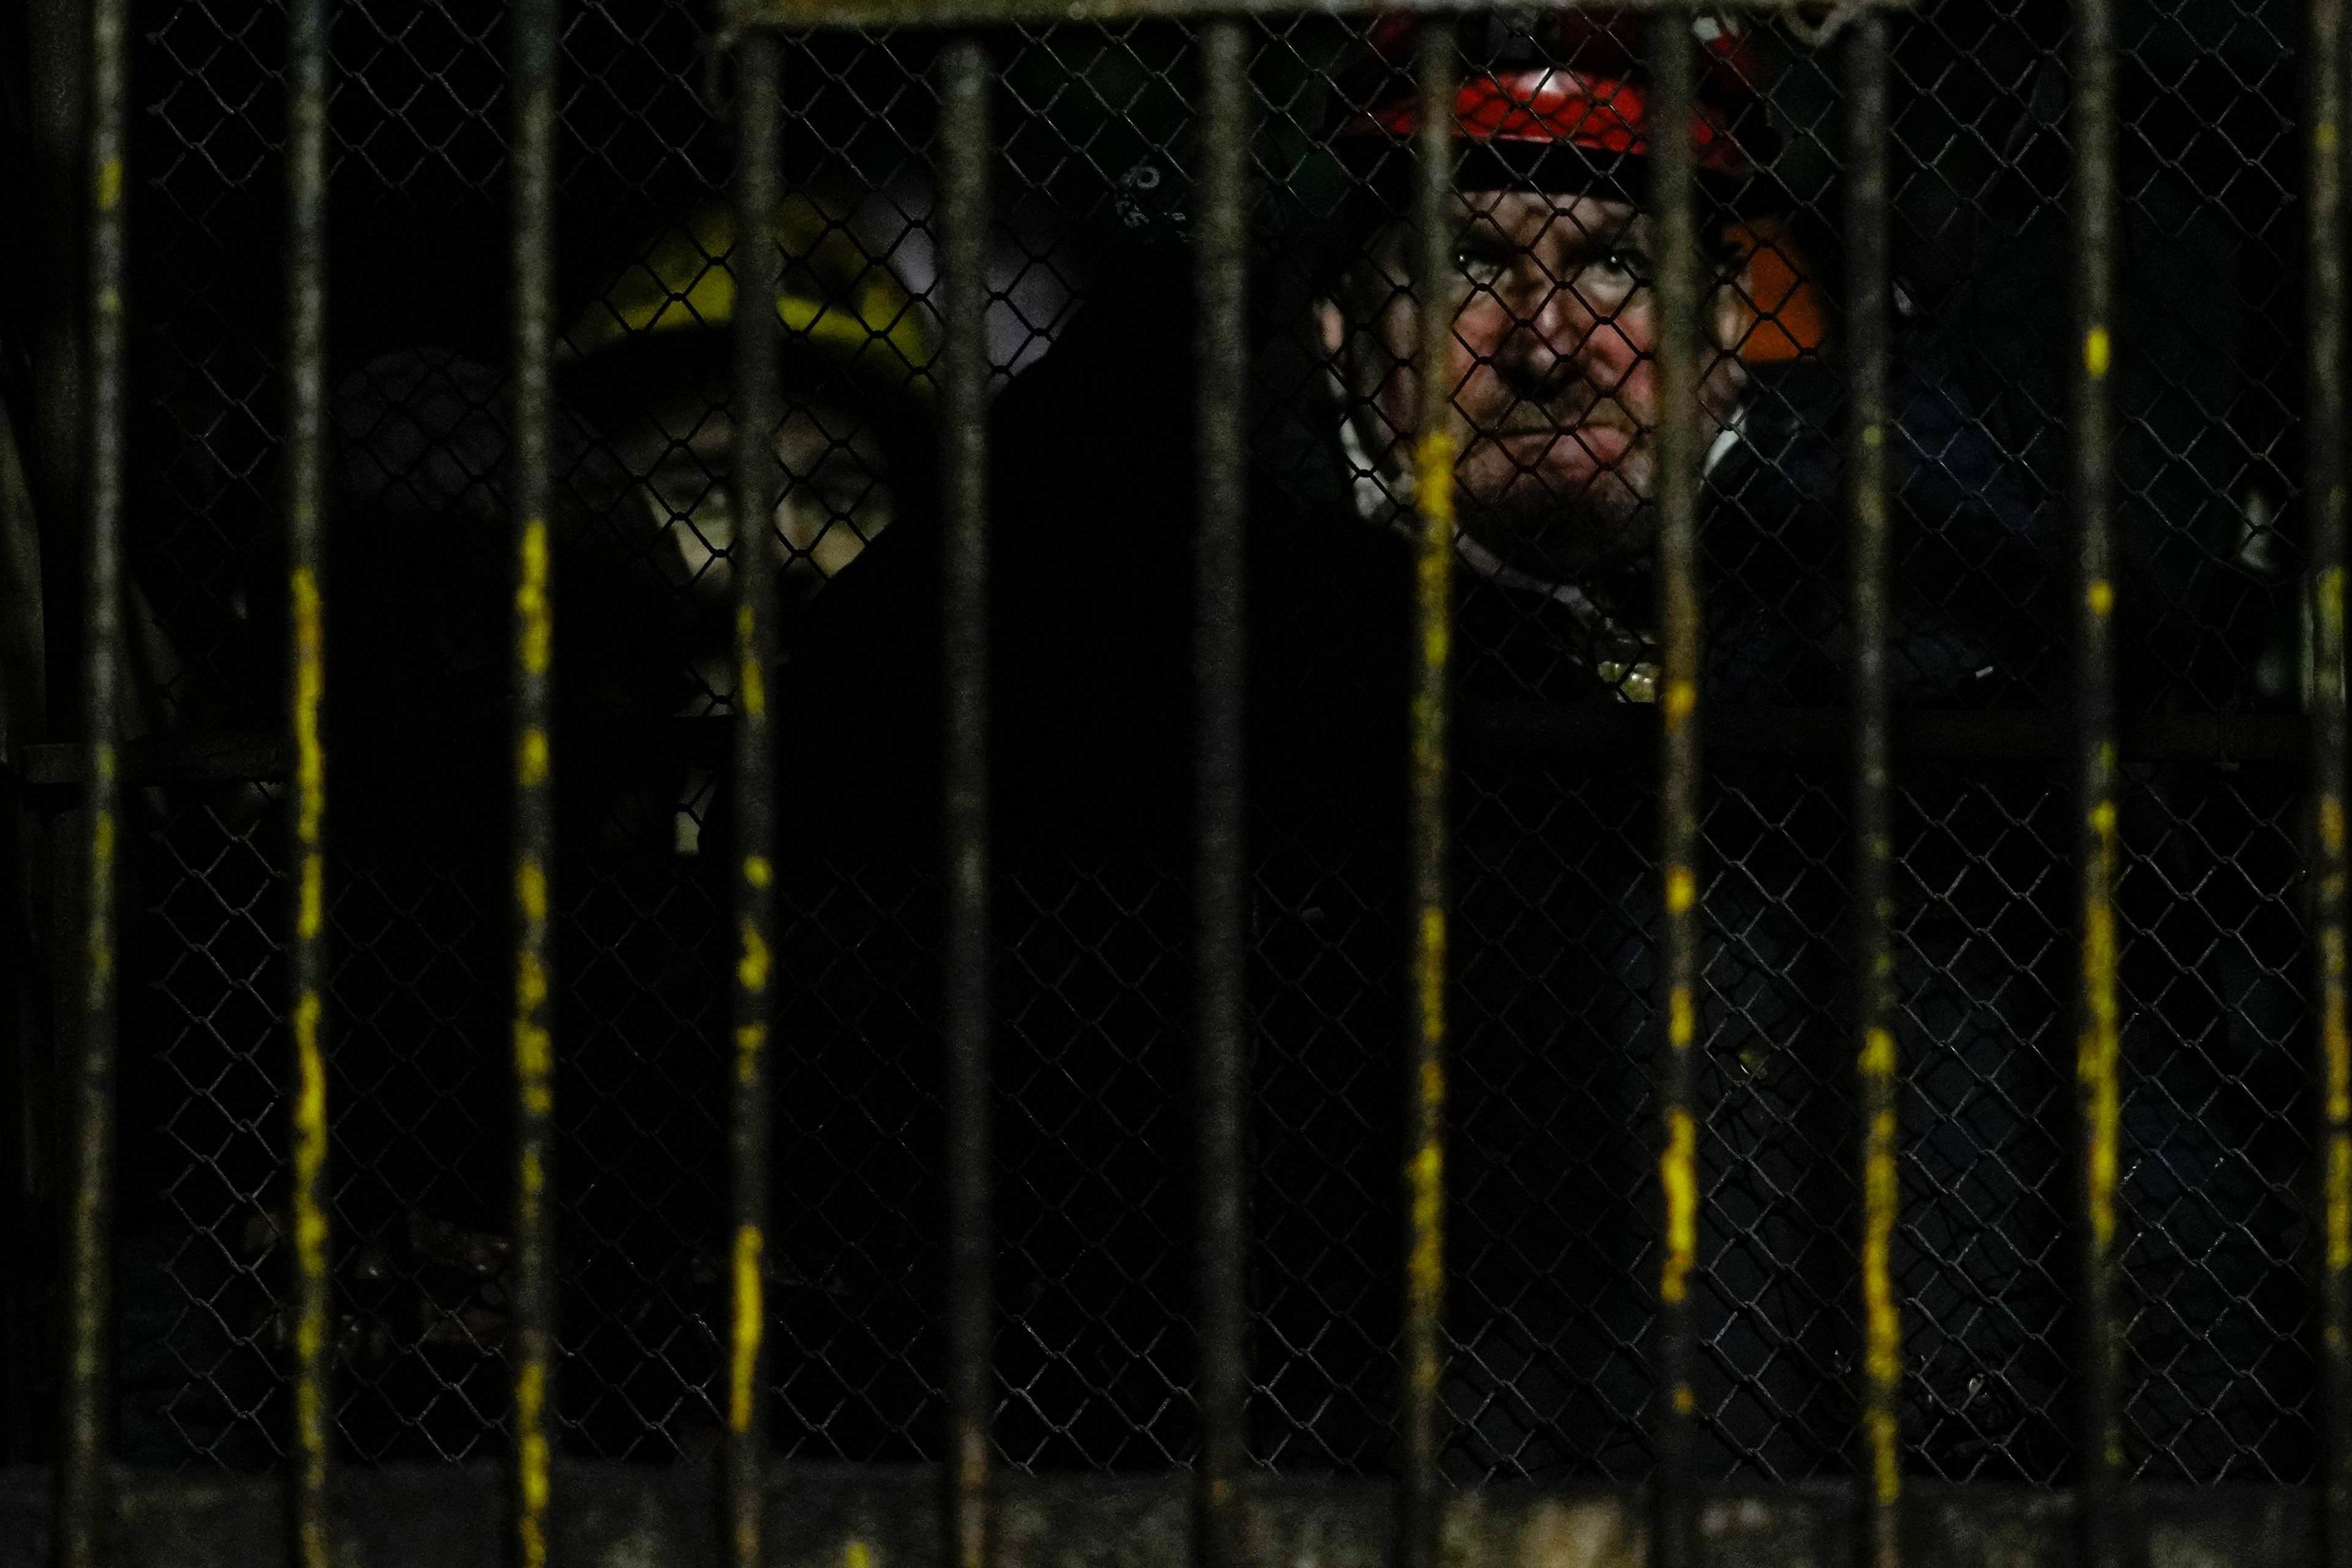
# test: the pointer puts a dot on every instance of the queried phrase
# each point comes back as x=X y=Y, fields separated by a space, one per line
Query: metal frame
x=1222 y=1534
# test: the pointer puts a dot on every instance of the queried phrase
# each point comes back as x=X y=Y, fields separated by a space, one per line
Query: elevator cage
x=1198 y=958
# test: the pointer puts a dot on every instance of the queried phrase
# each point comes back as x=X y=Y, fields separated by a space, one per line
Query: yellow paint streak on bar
x=2100 y=596
x=1433 y=491
x=2098 y=351
x=531 y=756
x=1682 y=701
x=1678 y=1172
x=750 y=1315
x=1682 y=889
x=530 y=600
x=530 y=889
x=110 y=186
x=2098 y=1051
x=757 y=872
x=531 y=1417
x=101 y=872
x=751 y=971
x=856 y=1554
x=1682 y=1018
x=1425 y=1267
x=750 y=1040
x=1883 y=1326
x=310 y=1249
x=752 y=677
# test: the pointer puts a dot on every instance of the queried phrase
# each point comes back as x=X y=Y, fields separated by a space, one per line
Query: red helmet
x=1570 y=79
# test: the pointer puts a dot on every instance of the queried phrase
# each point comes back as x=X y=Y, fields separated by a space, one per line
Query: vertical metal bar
x=1419 y=1502
x=85 y=1402
x=1221 y=865
x=2324 y=239
x=2097 y=1040
x=758 y=266
x=534 y=53
x=966 y=151
x=1675 y=195
x=306 y=438
x=1868 y=304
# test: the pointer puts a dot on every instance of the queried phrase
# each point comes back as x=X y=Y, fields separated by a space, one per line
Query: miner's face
x=1553 y=367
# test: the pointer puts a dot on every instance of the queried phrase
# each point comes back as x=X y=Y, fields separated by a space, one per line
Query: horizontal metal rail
x=833 y=1513
x=1008 y=13
x=1545 y=732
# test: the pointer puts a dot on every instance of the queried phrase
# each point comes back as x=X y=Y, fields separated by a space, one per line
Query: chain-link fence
x=1553 y=1250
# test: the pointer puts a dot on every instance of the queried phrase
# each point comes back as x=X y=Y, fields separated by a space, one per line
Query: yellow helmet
x=835 y=297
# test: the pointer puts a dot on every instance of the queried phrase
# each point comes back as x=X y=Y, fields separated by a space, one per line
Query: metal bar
x=87 y=1398
x=758 y=265
x=1221 y=865
x=1868 y=306
x=535 y=53
x=1419 y=1502
x=1674 y=197
x=2098 y=1043
x=2323 y=324
x=799 y=14
x=306 y=954
x=966 y=152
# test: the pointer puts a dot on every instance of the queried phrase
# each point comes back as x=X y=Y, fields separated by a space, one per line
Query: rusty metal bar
x=966 y=151
x=2090 y=486
x=535 y=52
x=758 y=266
x=1680 y=442
x=86 y=1399
x=1221 y=862
x=306 y=954
x=1004 y=13
x=1422 y=1415
x=2323 y=307
x=1868 y=322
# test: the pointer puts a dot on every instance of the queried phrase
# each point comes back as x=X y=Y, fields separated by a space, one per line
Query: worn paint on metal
x=751 y=668
x=2325 y=456
x=2096 y=243
x=530 y=1421
x=751 y=1316
x=755 y=482
x=2098 y=1053
x=1422 y=1417
x=1882 y=1320
x=966 y=146
x=1869 y=354
x=81 y=1500
x=1678 y=1173
x=533 y=604
x=1219 y=211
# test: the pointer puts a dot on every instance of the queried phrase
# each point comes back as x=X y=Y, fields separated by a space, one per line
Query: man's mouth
x=1568 y=443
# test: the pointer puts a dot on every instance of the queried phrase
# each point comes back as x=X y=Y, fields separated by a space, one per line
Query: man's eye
x=1628 y=263
x=1483 y=268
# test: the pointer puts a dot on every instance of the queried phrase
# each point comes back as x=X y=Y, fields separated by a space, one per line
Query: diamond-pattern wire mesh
x=1551 y=1247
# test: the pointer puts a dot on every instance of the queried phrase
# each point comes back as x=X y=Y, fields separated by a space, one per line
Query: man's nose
x=1557 y=336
